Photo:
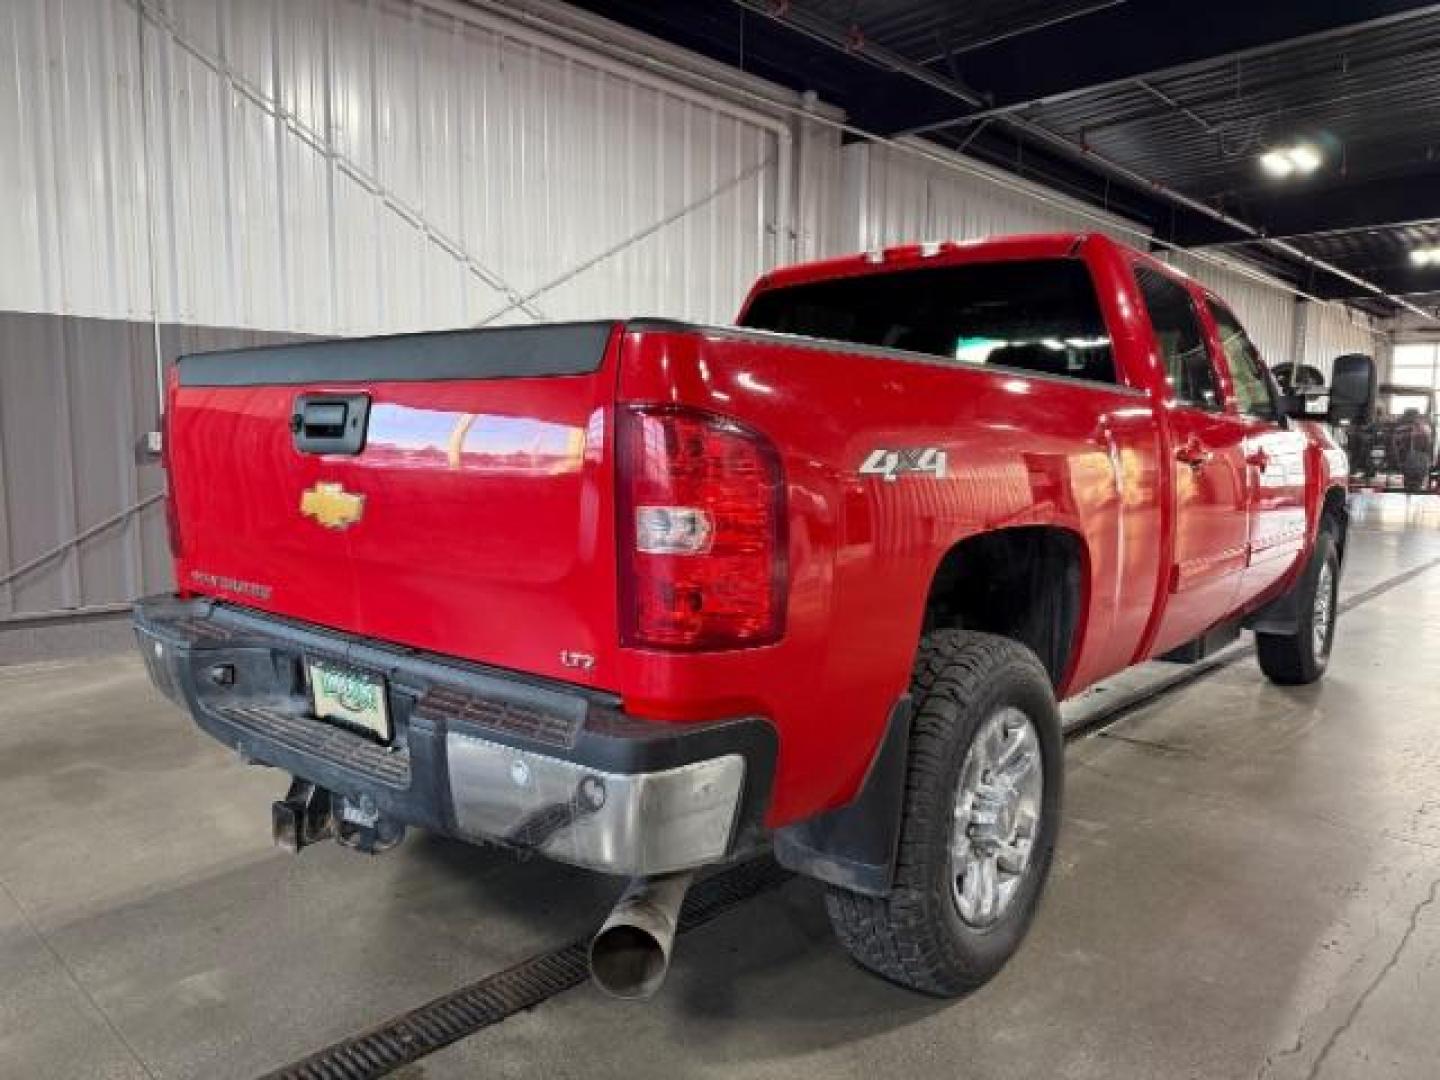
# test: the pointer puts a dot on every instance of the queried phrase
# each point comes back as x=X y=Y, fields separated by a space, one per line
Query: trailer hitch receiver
x=302 y=818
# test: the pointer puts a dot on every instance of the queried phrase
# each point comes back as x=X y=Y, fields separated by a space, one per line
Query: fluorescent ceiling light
x=1301 y=158
x=1425 y=256
x=1305 y=157
x=1276 y=163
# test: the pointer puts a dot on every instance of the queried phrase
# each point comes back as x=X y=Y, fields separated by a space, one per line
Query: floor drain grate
x=472 y=1008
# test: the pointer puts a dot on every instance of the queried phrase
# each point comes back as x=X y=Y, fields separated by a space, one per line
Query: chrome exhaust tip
x=630 y=956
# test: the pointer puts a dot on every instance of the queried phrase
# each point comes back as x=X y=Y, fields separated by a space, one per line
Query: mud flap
x=854 y=847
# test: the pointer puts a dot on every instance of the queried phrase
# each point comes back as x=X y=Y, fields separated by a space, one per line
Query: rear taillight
x=172 y=513
x=702 y=532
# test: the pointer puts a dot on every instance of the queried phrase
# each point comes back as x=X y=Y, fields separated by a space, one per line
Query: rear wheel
x=981 y=814
x=1301 y=657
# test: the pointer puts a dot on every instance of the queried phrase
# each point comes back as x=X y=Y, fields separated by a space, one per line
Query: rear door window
x=1037 y=315
x=1188 y=366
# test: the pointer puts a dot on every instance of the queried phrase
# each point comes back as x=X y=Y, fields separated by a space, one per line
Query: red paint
x=494 y=538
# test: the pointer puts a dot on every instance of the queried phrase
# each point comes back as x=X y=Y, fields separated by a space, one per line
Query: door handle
x=1194 y=454
x=1259 y=458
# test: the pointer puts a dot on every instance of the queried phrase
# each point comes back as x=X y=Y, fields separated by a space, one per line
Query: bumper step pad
x=384 y=765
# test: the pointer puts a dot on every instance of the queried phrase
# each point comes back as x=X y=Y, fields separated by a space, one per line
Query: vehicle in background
x=646 y=596
x=1398 y=442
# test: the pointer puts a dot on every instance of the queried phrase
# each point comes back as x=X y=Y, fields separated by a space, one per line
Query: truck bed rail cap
x=509 y=352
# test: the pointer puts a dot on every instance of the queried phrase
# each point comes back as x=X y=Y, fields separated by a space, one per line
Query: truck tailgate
x=473 y=516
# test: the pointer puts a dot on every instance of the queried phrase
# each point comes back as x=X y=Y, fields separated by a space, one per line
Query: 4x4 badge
x=332 y=506
x=890 y=464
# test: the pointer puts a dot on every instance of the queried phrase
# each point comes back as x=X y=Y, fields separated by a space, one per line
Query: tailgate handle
x=330 y=423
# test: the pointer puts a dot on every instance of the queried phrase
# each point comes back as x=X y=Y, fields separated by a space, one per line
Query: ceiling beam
x=1305 y=209
x=1397 y=279
x=1350 y=230
x=1056 y=63
x=948 y=56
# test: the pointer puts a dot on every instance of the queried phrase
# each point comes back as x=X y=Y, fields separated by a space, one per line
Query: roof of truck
x=933 y=252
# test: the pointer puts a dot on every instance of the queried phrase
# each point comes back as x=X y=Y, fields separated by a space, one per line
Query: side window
x=1247 y=372
x=1187 y=362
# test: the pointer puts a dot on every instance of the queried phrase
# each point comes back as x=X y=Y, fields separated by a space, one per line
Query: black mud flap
x=854 y=847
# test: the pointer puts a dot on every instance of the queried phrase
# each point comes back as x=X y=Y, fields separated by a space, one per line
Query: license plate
x=350 y=697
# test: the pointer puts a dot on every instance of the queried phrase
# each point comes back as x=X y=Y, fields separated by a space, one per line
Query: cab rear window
x=1035 y=315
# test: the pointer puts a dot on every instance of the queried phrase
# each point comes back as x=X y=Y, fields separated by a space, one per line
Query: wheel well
x=1024 y=583
x=1335 y=516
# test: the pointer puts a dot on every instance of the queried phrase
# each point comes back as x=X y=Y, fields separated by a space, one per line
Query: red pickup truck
x=647 y=596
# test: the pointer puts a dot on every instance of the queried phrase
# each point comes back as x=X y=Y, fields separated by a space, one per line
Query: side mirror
x=1354 y=385
x=1312 y=404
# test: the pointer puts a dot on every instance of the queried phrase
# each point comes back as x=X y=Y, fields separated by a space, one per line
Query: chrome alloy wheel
x=997 y=816
x=1324 y=612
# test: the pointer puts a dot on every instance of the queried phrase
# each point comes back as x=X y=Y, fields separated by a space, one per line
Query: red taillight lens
x=702 y=532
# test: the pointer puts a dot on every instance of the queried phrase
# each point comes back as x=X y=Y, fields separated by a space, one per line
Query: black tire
x=1296 y=659
x=916 y=936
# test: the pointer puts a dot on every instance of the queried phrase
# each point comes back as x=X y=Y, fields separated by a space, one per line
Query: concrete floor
x=1246 y=887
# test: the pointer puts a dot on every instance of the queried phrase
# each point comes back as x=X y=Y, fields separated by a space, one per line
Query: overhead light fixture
x=1276 y=163
x=1425 y=256
x=1302 y=158
x=1305 y=157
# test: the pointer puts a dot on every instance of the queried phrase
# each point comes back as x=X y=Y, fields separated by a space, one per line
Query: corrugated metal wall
x=345 y=167
x=892 y=197
x=1333 y=331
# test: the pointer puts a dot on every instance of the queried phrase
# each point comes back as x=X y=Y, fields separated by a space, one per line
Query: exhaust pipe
x=631 y=954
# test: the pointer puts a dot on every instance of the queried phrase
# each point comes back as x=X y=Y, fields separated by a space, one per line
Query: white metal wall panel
x=1333 y=331
x=71 y=180
x=824 y=226
x=551 y=170
x=893 y=197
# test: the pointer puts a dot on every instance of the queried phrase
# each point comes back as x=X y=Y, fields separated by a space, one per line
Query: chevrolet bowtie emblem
x=332 y=506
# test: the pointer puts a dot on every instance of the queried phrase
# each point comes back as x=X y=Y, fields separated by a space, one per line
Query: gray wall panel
x=77 y=396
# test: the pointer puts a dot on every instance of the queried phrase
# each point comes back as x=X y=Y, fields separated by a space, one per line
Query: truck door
x=1274 y=456
x=1208 y=463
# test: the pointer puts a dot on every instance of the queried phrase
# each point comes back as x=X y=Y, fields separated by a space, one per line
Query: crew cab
x=647 y=596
